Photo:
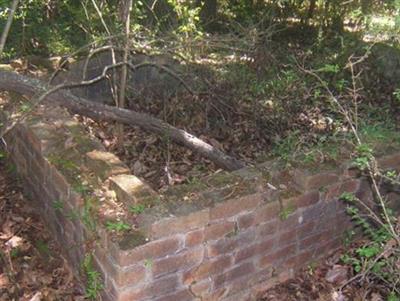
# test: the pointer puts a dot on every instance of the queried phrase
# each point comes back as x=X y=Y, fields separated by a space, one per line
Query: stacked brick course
x=228 y=237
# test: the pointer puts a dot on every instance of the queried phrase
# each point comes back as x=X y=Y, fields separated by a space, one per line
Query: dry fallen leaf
x=4 y=281
x=36 y=297
x=14 y=242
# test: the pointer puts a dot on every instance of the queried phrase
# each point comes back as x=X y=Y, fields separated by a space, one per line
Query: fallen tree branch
x=29 y=86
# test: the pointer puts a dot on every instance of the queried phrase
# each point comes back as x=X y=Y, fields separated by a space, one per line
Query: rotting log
x=24 y=85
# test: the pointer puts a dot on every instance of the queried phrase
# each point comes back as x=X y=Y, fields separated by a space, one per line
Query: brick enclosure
x=229 y=236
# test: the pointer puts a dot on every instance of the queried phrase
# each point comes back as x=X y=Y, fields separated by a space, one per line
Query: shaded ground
x=330 y=280
x=31 y=265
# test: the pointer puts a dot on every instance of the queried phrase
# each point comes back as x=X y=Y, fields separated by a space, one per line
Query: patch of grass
x=15 y=252
x=148 y=263
x=379 y=133
x=88 y=214
x=118 y=226
x=58 y=205
x=63 y=163
x=137 y=209
x=94 y=283
x=81 y=188
x=285 y=212
x=42 y=247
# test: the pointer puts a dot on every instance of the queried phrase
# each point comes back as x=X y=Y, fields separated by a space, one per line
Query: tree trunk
x=30 y=87
x=126 y=21
x=8 y=25
x=311 y=9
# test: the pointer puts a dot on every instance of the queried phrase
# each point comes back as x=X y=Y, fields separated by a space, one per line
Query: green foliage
x=393 y=297
x=58 y=205
x=148 y=263
x=137 y=209
x=286 y=212
x=329 y=68
x=348 y=197
x=118 y=226
x=368 y=259
x=396 y=94
x=43 y=248
x=364 y=155
x=94 y=284
x=15 y=252
x=88 y=213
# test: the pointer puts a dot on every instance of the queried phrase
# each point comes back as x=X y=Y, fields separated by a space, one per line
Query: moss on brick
x=132 y=240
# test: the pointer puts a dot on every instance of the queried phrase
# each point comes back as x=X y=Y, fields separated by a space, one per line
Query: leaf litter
x=31 y=265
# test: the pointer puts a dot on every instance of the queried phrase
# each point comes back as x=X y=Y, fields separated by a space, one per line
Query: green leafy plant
x=285 y=212
x=94 y=283
x=137 y=209
x=118 y=226
x=396 y=94
x=329 y=68
x=148 y=263
x=58 y=205
x=42 y=247
x=88 y=215
x=364 y=154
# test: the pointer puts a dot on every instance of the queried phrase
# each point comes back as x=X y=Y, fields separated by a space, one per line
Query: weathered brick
x=246 y=220
x=311 y=240
x=364 y=192
x=306 y=199
x=169 y=226
x=151 y=250
x=194 y=238
x=33 y=141
x=179 y=262
x=208 y=268
x=183 y=295
x=122 y=277
x=306 y=229
x=322 y=179
x=253 y=250
x=267 y=212
x=228 y=245
x=218 y=230
x=236 y=206
x=390 y=162
x=287 y=237
x=235 y=273
x=299 y=260
x=327 y=247
x=275 y=257
x=105 y=164
x=336 y=190
x=157 y=288
x=242 y=296
x=130 y=189
x=292 y=221
x=60 y=183
x=200 y=288
x=307 y=182
x=267 y=229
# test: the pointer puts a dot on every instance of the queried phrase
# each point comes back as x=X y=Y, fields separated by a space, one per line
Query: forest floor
x=31 y=265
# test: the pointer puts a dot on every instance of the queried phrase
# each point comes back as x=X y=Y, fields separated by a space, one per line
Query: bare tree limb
x=30 y=86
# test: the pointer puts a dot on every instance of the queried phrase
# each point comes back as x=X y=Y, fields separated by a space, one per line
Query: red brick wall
x=228 y=237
